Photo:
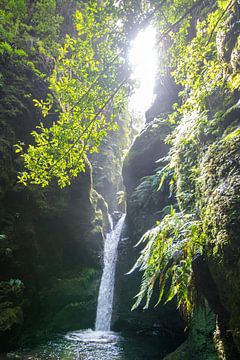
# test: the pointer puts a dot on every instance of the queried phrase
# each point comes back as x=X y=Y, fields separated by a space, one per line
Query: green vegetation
x=11 y=300
x=86 y=85
x=70 y=302
x=169 y=252
x=199 y=59
x=90 y=81
x=90 y=77
x=87 y=76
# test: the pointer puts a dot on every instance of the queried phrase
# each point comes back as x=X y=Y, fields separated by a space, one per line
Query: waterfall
x=110 y=220
x=105 y=296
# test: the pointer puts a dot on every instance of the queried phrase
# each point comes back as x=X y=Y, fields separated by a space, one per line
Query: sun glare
x=143 y=58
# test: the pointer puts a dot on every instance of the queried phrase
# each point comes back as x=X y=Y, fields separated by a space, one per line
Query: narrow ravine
x=129 y=108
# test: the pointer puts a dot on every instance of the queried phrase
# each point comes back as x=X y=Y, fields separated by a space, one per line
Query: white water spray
x=105 y=296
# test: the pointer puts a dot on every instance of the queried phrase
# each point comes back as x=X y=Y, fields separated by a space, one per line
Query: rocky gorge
x=52 y=239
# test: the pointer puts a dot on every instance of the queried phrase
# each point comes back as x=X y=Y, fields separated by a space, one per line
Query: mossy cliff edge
x=50 y=238
x=200 y=154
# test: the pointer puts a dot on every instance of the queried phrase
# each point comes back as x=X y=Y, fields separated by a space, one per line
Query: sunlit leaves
x=87 y=86
x=171 y=247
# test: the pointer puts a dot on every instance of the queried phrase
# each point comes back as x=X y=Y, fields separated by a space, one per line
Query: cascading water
x=105 y=296
x=110 y=220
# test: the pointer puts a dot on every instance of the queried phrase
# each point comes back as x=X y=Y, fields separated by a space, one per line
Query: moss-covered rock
x=141 y=175
x=147 y=148
x=220 y=200
x=199 y=344
x=51 y=234
x=107 y=164
x=69 y=303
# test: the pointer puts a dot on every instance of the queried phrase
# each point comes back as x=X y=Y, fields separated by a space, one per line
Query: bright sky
x=143 y=57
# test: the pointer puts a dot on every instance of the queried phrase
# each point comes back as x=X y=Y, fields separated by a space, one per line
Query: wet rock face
x=144 y=204
x=166 y=95
x=215 y=193
x=221 y=208
x=107 y=164
x=50 y=238
x=141 y=176
x=147 y=148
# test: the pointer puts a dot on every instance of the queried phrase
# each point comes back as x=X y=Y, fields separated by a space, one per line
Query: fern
x=169 y=250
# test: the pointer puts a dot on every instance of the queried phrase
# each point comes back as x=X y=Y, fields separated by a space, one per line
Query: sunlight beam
x=143 y=58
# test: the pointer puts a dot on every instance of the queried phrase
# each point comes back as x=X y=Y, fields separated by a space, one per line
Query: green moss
x=52 y=234
x=107 y=164
x=101 y=212
x=10 y=316
x=11 y=305
x=70 y=303
x=199 y=344
x=220 y=201
x=148 y=147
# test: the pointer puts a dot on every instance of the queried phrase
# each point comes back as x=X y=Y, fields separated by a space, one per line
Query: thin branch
x=141 y=25
x=150 y=16
x=94 y=82
x=230 y=5
x=91 y=122
x=111 y=97
x=173 y=26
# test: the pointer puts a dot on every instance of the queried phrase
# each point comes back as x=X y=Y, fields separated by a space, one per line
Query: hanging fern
x=170 y=248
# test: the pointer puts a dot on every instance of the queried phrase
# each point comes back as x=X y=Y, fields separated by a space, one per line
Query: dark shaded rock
x=53 y=237
x=144 y=206
x=107 y=164
x=147 y=148
x=199 y=344
x=220 y=189
x=166 y=91
x=70 y=303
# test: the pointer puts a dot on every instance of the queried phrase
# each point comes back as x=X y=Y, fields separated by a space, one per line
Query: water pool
x=95 y=345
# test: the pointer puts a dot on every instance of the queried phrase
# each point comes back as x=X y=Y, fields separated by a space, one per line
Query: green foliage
x=46 y=21
x=87 y=85
x=89 y=79
x=171 y=247
x=232 y=135
x=10 y=303
x=208 y=80
x=12 y=23
x=145 y=195
x=193 y=57
x=29 y=29
x=198 y=68
x=141 y=194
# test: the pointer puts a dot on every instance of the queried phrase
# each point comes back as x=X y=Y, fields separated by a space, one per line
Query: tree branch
x=90 y=123
x=230 y=5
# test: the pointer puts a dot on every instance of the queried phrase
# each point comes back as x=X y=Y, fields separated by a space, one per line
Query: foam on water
x=91 y=336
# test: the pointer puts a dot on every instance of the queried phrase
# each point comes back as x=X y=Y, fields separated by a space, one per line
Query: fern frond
x=169 y=250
